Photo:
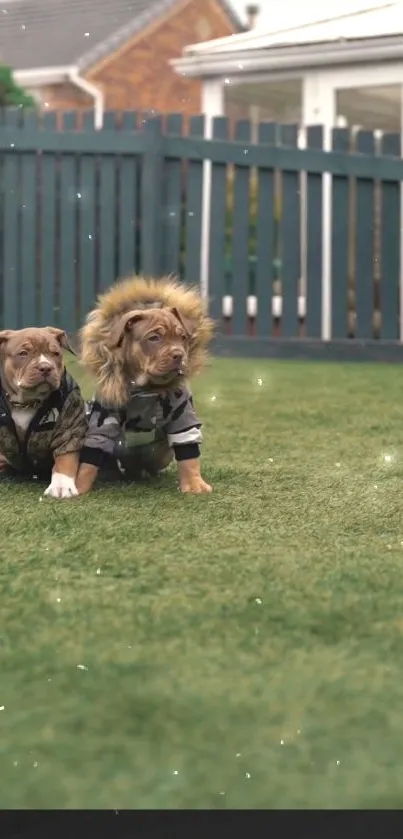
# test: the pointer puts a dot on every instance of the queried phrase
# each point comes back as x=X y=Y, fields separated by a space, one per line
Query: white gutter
x=41 y=76
x=94 y=92
x=57 y=75
x=296 y=57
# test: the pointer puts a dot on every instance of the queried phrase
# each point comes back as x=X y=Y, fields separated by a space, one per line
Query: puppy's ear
x=5 y=335
x=189 y=324
x=125 y=324
x=61 y=337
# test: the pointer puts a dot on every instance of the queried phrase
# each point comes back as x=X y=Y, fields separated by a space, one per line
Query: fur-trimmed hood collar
x=105 y=362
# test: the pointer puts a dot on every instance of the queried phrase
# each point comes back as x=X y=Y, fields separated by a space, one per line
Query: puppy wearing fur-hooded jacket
x=142 y=343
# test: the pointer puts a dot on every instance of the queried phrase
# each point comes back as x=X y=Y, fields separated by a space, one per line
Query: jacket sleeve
x=71 y=427
x=183 y=427
x=103 y=431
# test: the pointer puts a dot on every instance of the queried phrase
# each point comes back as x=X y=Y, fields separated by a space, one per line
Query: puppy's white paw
x=61 y=487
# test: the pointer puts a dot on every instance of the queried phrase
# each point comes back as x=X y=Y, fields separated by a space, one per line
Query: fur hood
x=105 y=362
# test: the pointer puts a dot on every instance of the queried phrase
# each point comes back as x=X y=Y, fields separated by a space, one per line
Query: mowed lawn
x=243 y=650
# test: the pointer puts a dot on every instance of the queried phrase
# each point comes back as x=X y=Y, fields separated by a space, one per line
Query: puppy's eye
x=154 y=338
x=23 y=353
x=55 y=352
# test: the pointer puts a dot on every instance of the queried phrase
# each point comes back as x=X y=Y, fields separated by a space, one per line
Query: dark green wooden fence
x=80 y=208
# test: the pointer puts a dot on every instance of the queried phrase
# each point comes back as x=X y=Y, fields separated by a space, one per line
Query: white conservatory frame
x=358 y=50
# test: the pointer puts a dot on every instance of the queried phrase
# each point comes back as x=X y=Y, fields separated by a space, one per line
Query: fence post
x=401 y=221
x=151 y=198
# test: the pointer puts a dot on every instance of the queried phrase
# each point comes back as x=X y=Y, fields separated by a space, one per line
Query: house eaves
x=386 y=18
x=295 y=57
x=43 y=76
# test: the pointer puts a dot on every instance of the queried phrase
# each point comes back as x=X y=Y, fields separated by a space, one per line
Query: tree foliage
x=11 y=94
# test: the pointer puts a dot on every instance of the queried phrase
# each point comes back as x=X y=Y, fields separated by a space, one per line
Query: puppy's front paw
x=61 y=486
x=194 y=484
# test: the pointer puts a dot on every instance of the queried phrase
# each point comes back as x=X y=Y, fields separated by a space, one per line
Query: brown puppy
x=142 y=342
x=42 y=413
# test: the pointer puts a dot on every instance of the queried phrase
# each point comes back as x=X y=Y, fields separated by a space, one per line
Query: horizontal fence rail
x=81 y=207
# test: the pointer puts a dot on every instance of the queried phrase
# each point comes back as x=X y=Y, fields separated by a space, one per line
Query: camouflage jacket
x=147 y=418
x=58 y=427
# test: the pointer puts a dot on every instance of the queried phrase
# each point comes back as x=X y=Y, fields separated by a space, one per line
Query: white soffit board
x=382 y=20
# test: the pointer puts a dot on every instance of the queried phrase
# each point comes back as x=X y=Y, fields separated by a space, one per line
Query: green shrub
x=11 y=94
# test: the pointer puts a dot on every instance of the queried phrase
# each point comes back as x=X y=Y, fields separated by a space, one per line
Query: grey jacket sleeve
x=103 y=431
x=183 y=427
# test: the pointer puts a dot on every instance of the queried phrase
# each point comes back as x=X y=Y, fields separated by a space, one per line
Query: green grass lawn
x=236 y=650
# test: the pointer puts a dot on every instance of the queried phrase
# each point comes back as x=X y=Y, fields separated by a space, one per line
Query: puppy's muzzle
x=178 y=357
x=44 y=369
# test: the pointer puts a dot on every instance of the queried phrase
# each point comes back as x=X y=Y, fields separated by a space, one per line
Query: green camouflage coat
x=59 y=427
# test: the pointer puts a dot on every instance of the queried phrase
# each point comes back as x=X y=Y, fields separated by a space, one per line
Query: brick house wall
x=138 y=76
x=64 y=97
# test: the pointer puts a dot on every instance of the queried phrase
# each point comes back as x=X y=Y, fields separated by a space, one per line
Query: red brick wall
x=66 y=97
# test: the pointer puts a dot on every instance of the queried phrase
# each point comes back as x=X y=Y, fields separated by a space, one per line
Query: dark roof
x=56 y=33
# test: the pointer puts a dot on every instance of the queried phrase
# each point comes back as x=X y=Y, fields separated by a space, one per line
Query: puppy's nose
x=177 y=355
x=45 y=368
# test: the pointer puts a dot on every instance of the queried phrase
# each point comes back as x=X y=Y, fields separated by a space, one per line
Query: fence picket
x=128 y=210
x=340 y=221
x=11 y=228
x=107 y=238
x=29 y=216
x=364 y=253
x=265 y=238
x=194 y=196
x=218 y=213
x=48 y=231
x=130 y=120
x=69 y=120
x=86 y=225
x=69 y=196
x=151 y=197
x=313 y=322
x=111 y=120
x=290 y=232
x=240 y=234
x=391 y=225
x=172 y=224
